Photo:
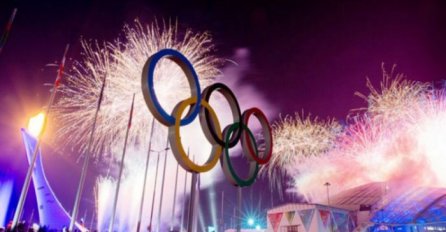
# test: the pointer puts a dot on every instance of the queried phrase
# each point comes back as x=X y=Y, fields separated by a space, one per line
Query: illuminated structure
x=245 y=230
x=51 y=212
x=379 y=207
x=372 y=207
x=420 y=209
x=303 y=217
x=6 y=188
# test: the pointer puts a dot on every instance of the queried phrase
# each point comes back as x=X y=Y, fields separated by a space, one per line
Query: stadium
x=371 y=207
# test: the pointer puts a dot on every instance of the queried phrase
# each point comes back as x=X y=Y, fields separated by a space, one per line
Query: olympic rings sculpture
x=221 y=141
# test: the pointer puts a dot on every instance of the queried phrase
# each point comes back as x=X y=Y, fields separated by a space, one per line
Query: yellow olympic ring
x=175 y=138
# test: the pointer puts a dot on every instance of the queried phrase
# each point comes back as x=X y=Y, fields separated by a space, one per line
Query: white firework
x=297 y=139
x=121 y=63
x=396 y=98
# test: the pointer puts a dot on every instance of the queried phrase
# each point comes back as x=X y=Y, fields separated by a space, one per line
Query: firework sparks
x=397 y=97
x=296 y=139
x=400 y=133
x=299 y=137
x=121 y=63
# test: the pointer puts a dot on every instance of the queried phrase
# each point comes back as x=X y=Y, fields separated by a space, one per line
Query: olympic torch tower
x=51 y=211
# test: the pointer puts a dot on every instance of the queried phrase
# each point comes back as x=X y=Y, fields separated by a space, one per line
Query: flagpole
x=222 y=212
x=7 y=30
x=162 y=186
x=197 y=200
x=193 y=192
x=145 y=176
x=91 y=221
x=85 y=218
x=174 y=198
x=84 y=171
x=121 y=167
x=233 y=218
x=184 y=194
x=31 y=218
x=27 y=182
x=239 y=210
x=154 y=192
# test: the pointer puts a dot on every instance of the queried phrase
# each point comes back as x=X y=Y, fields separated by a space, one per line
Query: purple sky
x=309 y=56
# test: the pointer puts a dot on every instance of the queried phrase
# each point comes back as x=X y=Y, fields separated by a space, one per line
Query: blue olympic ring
x=149 y=92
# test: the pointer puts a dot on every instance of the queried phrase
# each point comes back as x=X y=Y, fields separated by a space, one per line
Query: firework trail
x=397 y=138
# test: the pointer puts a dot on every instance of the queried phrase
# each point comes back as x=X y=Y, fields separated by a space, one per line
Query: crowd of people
x=26 y=227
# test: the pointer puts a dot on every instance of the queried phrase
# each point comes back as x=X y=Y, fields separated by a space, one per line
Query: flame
x=35 y=124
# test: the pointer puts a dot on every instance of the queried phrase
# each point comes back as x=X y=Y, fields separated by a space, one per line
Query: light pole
x=327 y=184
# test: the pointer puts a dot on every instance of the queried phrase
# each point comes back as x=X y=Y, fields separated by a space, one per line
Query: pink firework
x=399 y=138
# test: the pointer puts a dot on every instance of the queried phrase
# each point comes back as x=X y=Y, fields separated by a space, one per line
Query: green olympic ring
x=199 y=106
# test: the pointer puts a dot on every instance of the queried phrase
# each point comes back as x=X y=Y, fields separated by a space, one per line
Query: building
x=303 y=217
x=372 y=207
x=246 y=230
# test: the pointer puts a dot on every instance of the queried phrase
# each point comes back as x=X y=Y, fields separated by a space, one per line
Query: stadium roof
x=418 y=206
x=421 y=205
x=364 y=195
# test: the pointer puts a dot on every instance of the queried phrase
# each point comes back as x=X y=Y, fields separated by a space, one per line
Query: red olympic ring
x=237 y=131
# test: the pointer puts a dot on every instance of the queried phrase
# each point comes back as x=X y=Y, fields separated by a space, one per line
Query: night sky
x=305 y=56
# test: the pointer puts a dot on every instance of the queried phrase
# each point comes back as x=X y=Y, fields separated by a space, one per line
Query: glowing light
x=6 y=188
x=250 y=221
x=258 y=227
x=36 y=124
x=35 y=227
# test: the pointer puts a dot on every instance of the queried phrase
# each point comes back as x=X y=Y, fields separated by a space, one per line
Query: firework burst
x=396 y=98
x=121 y=64
x=399 y=134
x=299 y=137
x=296 y=139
